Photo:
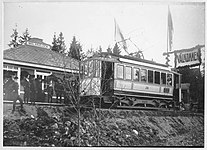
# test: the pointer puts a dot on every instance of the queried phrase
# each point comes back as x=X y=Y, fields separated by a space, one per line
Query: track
x=85 y=108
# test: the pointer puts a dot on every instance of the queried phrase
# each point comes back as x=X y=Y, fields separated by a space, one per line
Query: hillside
x=57 y=126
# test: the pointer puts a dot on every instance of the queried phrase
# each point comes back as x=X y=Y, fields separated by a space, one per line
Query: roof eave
x=21 y=63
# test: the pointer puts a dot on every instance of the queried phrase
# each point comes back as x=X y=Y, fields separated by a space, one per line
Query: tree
x=55 y=44
x=196 y=80
x=61 y=43
x=75 y=50
x=58 y=44
x=25 y=37
x=116 y=49
x=109 y=50
x=14 y=42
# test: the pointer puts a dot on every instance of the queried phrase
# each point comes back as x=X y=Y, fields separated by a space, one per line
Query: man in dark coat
x=38 y=89
x=50 y=91
x=26 y=84
x=7 y=86
x=13 y=89
x=59 y=90
x=33 y=89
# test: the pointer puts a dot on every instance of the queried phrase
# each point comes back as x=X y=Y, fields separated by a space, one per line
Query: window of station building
x=150 y=76
x=169 y=79
x=157 y=77
x=120 y=71
x=128 y=71
x=143 y=73
x=163 y=78
x=136 y=74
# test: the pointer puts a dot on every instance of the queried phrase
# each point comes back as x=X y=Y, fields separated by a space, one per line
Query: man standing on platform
x=14 y=86
x=38 y=89
x=26 y=85
x=33 y=89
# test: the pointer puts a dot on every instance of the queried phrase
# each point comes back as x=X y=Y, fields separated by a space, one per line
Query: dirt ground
x=57 y=127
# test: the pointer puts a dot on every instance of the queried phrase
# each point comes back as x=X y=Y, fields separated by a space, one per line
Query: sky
x=92 y=23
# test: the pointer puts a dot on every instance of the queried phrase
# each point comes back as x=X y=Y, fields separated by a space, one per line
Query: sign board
x=38 y=44
x=188 y=57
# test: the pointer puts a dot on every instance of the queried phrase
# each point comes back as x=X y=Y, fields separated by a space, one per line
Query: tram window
x=163 y=78
x=128 y=71
x=97 y=67
x=82 y=66
x=169 y=79
x=120 y=71
x=150 y=76
x=157 y=77
x=86 y=68
x=143 y=75
x=90 y=68
x=136 y=74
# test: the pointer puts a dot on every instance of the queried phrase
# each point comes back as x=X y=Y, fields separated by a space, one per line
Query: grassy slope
x=52 y=126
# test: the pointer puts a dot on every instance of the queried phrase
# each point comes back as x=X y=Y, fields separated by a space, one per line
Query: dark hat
x=15 y=77
x=32 y=76
x=39 y=77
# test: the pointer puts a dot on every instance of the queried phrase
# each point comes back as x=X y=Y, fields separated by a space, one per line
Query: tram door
x=107 y=74
x=176 y=88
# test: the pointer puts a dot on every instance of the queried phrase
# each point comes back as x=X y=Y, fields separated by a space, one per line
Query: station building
x=36 y=58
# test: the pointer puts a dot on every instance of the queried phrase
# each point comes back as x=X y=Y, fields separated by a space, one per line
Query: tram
x=123 y=81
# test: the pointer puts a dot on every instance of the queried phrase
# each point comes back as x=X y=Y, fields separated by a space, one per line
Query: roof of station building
x=35 y=51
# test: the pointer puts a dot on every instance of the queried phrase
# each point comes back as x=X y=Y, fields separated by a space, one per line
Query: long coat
x=26 y=85
x=13 y=90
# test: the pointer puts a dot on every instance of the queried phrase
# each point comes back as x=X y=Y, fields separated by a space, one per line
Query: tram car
x=123 y=81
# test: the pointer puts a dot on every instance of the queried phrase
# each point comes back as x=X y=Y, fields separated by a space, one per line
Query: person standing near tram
x=26 y=84
x=38 y=88
x=13 y=89
x=33 y=89
x=6 y=86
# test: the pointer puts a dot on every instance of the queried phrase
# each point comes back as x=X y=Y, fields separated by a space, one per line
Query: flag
x=170 y=30
x=118 y=36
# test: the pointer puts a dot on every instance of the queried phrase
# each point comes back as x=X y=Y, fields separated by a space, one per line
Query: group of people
x=33 y=89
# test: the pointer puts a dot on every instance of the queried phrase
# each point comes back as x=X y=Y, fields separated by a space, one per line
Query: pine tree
x=25 y=37
x=58 y=44
x=75 y=50
x=109 y=50
x=116 y=49
x=55 y=44
x=61 y=43
x=14 y=42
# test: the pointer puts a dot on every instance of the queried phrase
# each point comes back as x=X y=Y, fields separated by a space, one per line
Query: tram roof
x=107 y=55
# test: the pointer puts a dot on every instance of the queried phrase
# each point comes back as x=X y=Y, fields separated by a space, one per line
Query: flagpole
x=167 y=36
x=115 y=34
x=167 y=57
